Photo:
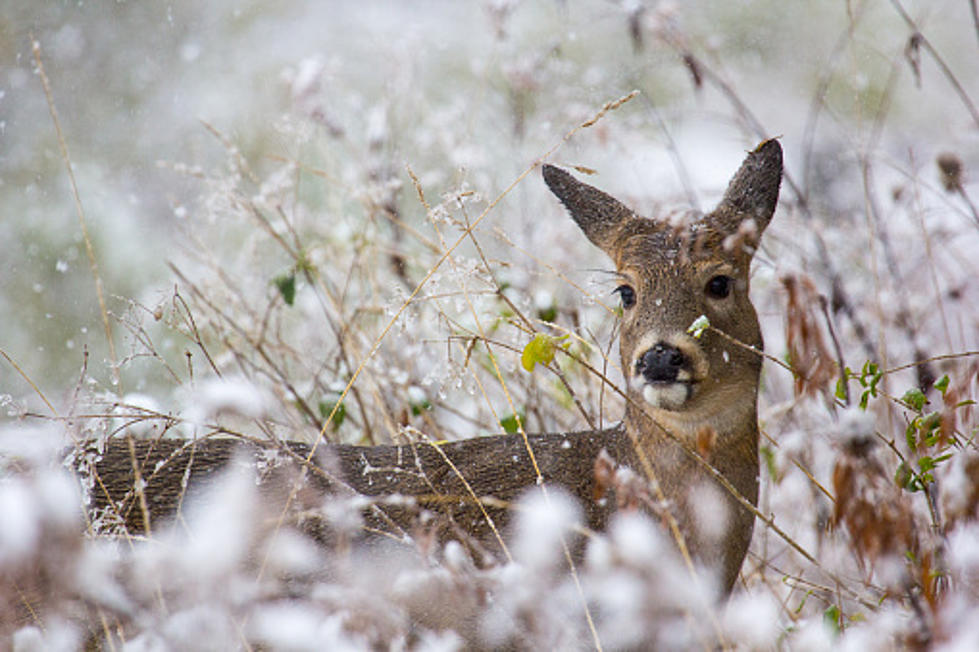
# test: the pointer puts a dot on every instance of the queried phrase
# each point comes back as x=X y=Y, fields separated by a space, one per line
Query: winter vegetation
x=224 y=220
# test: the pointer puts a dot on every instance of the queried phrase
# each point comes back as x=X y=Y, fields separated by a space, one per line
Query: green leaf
x=304 y=264
x=864 y=399
x=548 y=314
x=903 y=477
x=841 y=389
x=511 y=423
x=699 y=325
x=870 y=375
x=421 y=406
x=287 y=287
x=930 y=422
x=832 y=617
x=942 y=384
x=768 y=456
x=911 y=433
x=339 y=412
x=915 y=398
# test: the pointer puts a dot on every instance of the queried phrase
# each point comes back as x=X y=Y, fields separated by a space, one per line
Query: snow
x=711 y=515
x=543 y=526
x=20 y=528
x=56 y=637
x=636 y=541
x=855 y=425
x=296 y=628
x=290 y=554
x=98 y=578
x=963 y=553
x=222 y=396
x=220 y=527
x=751 y=620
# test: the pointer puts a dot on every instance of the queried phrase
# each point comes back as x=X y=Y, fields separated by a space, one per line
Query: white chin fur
x=666 y=396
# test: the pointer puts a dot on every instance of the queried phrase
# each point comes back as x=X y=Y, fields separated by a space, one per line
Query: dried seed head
x=950 y=166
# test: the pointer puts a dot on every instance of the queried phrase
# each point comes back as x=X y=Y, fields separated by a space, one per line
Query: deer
x=689 y=432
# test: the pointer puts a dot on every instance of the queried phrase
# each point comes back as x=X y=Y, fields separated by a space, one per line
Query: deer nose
x=662 y=363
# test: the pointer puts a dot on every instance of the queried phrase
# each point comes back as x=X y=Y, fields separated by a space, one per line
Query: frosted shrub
x=40 y=535
x=624 y=577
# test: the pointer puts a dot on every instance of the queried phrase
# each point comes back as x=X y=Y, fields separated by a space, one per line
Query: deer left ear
x=752 y=193
x=598 y=214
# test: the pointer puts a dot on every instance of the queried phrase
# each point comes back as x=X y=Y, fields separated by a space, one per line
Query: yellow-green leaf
x=539 y=350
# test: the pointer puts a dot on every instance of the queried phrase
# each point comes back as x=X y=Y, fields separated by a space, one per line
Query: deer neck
x=674 y=445
x=723 y=428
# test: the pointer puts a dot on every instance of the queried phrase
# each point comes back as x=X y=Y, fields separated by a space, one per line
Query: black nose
x=661 y=363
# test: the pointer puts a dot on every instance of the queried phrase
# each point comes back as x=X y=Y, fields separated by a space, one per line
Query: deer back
x=469 y=485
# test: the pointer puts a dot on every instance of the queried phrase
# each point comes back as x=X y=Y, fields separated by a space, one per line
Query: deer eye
x=627 y=294
x=719 y=287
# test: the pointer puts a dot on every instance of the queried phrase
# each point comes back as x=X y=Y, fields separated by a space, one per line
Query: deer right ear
x=599 y=215
x=753 y=192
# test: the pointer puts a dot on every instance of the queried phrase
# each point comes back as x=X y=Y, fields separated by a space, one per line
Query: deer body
x=691 y=403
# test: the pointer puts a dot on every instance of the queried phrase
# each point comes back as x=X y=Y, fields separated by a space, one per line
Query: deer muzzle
x=668 y=374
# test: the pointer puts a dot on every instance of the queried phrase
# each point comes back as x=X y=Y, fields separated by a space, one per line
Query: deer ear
x=752 y=193
x=599 y=215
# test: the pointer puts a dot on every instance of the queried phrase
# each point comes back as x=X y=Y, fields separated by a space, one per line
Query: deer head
x=671 y=275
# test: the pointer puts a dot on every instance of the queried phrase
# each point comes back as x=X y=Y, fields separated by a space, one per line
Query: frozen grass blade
x=89 y=249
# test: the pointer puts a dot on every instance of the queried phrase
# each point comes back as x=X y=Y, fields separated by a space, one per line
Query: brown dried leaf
x=955 y=408
x=604 y=474
x=814 y=366
x=693 y=67
x=876 y=514
x=950 y=166
x=631 y=490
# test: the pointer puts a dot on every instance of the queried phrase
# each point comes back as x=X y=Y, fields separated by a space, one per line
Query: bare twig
x=923 y=41
x=840 y=361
